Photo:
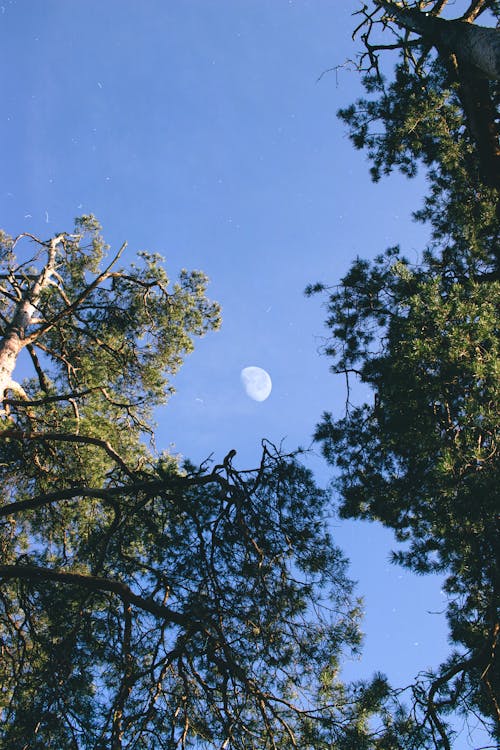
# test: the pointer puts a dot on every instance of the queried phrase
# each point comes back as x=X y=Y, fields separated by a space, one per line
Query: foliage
x=145 y=602
x=422 y=456
x=419 y=119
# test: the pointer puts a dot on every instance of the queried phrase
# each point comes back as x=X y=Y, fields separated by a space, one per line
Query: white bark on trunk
x=15 y=338
x=11 y=345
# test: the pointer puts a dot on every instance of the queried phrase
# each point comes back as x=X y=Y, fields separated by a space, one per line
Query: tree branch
x=77 y=302
x=475 y=9
x=462 y=666
x=52 y=399
x=42 y=378
x=33 y=573
x=146 y=487
x=68 y=438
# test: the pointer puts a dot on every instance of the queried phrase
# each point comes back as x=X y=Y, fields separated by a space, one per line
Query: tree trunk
x=474 y=46
x=15 y=339
x=11 y=345
x=471 y=55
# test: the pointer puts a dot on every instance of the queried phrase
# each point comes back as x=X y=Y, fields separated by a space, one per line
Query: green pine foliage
x=421 y=454
x=146 y=602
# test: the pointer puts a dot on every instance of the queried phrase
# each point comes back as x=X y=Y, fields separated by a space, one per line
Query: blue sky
x=199 y=129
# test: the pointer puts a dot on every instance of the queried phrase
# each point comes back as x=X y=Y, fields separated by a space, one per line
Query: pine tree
x=421 y=457
x=146 y=602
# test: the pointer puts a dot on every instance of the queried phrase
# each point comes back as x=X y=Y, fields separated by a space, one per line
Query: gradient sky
x=199 y=129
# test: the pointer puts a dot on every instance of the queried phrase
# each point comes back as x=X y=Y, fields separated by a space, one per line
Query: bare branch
x=475 y=9
x=42 y=378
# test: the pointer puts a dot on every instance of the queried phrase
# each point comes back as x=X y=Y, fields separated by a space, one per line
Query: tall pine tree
x=144 y=602
x=421 y=456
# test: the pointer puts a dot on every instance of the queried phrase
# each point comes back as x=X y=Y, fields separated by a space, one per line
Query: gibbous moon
x=256 y=382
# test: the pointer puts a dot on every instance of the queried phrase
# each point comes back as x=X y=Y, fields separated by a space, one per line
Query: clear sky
x=199 y=129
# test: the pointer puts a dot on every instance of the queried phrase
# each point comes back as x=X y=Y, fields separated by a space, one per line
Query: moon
x=256 y=382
